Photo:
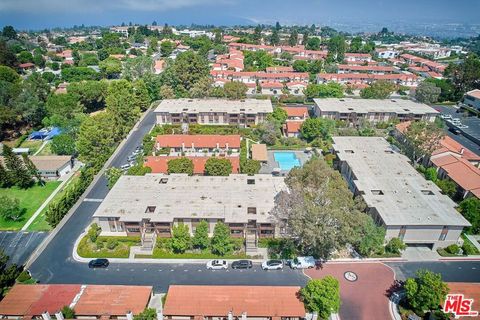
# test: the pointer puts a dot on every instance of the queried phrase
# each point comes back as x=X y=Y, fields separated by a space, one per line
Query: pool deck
x=271 y=164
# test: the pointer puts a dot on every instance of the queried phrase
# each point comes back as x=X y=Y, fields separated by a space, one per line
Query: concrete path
x=41 y=147
x=65 y=179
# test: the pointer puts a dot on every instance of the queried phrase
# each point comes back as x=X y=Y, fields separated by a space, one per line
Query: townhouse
x=403 y=79
x=159 y=164
x=178 y=144
x=363 y=57
x=253 y=77
x=421 y=62
x=213 y=111
x=472 y=99
x=295 y=118
x=298 y=52
x=397 y=196
x=158 y=202
x=374 y=110
x=386 y=53
x=373 y=69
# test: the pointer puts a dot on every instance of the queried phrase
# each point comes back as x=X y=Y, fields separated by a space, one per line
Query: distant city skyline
x=354 y=15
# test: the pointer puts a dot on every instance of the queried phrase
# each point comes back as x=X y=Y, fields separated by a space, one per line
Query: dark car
x=242 y=264
x=98 y=263
x=454 y=130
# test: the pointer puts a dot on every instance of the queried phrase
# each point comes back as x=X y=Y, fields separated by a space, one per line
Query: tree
x=381 y=89
x=278 y=115
x=300 y=65
x=201 y=89
x=250 y=166
x=166 y=92
x=63 y=144
x=200 y=239
x=9 y=33
x=257 y=60
x=189 y=68
x=63 y=107
x=5 y=180
x=431 y=174
x=336 y=48
x=141 y=96
x=122 y=105
x=180 y=165
x=138 y=67
x=17 y=171
x=269 y=132
x=426 y=291
x=180 y=238
x=447 y=89
x=25 y=56
x=7 y=56
x=465 y=75
x=111 y=67
x=322 y=296
x=8 y=274
x=313 y=44
x=448 y=187
x=10 y=208
x=147 y=314
x=95 y=140
x=320 y=212
x=313 y=128
x=32 y=169
x=91 y=94
x=356 y=45
x=372 y=238
x=277 y=26
x=328 y=90
x=166 y=48
x=235 y=90
x=424 y=138
x=427 y=92
x=218 y=167
x=72 y=74
x=113 y=174
x=293 y=39
x=221 y=242
x=68 y=313
x=470 y=209
x=395 y=245
x=274 y=38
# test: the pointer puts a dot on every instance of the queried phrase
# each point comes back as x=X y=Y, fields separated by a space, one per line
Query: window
x=250 y=181
x=444 y=233
x=402 y=232
x=133 y=229
x=150 y=209
x=377 y=192
x=252 y=210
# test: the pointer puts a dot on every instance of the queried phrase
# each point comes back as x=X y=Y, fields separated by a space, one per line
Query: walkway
x=41 y=147
x=64 y=179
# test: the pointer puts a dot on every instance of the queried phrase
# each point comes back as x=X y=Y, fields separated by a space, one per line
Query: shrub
x=68 y=313
x=112 y=244
x=453 y=249
x=395 y=245
x=24 y=276
x=469 y=249
x=94 y=232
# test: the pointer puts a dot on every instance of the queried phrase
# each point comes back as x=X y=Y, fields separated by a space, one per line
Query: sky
x=38 y=14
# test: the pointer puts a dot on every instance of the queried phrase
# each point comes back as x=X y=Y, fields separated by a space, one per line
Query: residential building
x=201 y=144
x=397 y=196
x=404 y=79
x=373 y=69
x=254 y=76
x=279 y=69
x=213 y=111
x=296 y=113
x=273 y=88
x=472 y=99
x=296 y=88
x=292 y=128
x=50 y=167
x=159 y=164
x=233 y=303
x=384 y=53
x=364 y=57
x=242 y=202
x=373 y=110
x=45 y=301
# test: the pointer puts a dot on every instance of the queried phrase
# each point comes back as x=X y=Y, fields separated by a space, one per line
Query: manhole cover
x=350 y=276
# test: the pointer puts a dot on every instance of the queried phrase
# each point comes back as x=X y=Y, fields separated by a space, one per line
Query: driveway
x=365 y=297
x=19 y=245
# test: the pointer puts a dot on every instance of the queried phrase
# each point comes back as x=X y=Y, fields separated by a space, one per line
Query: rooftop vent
x=427 y=192
x=351 y=109
x=250 y=181
x=349 y=151
x=163 y=180
x=190 y=100
x=377 y=192
x=393 y=100
x=341 y=99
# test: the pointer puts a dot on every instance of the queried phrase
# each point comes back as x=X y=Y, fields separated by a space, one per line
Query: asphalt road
x=55 y=264
x=20 y=245
x=452 y=271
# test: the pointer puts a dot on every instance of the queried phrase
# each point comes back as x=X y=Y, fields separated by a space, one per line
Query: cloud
x=83 y=6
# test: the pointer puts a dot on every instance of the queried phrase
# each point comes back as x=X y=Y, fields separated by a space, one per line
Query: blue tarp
x=45 y=134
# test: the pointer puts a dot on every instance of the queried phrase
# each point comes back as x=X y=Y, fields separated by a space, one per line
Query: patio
x=267 y=168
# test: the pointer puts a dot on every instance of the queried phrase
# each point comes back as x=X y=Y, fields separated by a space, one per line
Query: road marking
x=171 y=270
x=131 y=269
x=144 y=270
x=185 y=270
x=92 y=200
x=159 y=270
x=473 y=268
x=118 y=269
x=199 y=270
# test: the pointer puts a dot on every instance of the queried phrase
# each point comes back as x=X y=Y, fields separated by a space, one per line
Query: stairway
x=148 y=241
x=251 y=245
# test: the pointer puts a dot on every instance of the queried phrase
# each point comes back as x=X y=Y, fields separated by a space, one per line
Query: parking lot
x=19 y=245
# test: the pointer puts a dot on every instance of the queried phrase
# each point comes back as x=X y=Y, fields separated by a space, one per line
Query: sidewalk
x=65 y=179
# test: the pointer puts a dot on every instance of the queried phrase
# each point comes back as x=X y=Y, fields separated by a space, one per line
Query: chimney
x=315 y=316
x=129 y=315
x=230 y=315
x=46 y=316
x=244 y=315
x=462 y=150
x=59 y=315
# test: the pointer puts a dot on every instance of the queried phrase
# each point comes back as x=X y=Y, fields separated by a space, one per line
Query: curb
x=35 y=254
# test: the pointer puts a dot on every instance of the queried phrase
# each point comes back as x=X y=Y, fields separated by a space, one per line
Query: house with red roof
x=350 y=68
x=24 y=67
x=295 y=118
x=296 y=87
x=197 y=145
x=271 y=88
x=159 y=164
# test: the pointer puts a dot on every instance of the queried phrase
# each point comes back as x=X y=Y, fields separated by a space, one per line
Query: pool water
x=286 y=160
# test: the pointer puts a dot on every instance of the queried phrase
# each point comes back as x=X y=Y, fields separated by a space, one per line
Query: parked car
x=454 y=130
x=126 y=166
x=462 y=126
x=217 y=264
x=98 y=263
x=272 y=265
x=302 y=262
x=445 y=116
x=242 y=264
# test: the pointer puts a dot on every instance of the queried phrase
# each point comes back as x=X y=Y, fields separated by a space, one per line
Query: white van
x=302 y=263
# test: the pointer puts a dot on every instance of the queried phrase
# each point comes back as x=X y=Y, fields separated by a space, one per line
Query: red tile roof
x=293 y=126
x=365 y=68
x=26 y=65
x=296 y=111
x=474 y=93
x=465 y=174
x=271 y=85
x=159 y=164
x=279 y=69
x=218 y=301
x=200 y=141
x=450 y=145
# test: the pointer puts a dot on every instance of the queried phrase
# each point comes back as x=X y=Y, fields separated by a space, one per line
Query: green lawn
x=30 y=199
x=87 y=249
x=46 y=151
x=39 y=224
x=33 y=145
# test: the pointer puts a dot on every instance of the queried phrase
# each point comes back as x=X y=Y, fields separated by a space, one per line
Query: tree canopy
x=180 y=165
x=322 y=296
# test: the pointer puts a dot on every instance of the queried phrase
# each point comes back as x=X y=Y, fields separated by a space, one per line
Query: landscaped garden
x=93 y=245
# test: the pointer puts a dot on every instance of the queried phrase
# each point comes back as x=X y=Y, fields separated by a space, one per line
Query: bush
x=68 y=313
x=395 y=245
x=24 y=276
x=94 y=232
x=453 y=249
x=469 y=249
x=112 y=244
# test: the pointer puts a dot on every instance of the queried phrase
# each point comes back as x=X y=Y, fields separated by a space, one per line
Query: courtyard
x=284 y=160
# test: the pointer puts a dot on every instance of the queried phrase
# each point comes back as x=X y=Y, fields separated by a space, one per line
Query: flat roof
x=251 y=106
x=349 y=105
x=255 y=301
x=183 y=196
x=390 y=184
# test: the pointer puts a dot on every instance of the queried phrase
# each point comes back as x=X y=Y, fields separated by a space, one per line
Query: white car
x=217 y=264
x=126 y=166
x=272 y=265
x=446 y=116
x=462 y=126
x=302 y=263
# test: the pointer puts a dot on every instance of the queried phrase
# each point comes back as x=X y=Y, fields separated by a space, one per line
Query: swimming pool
x=286 y=160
